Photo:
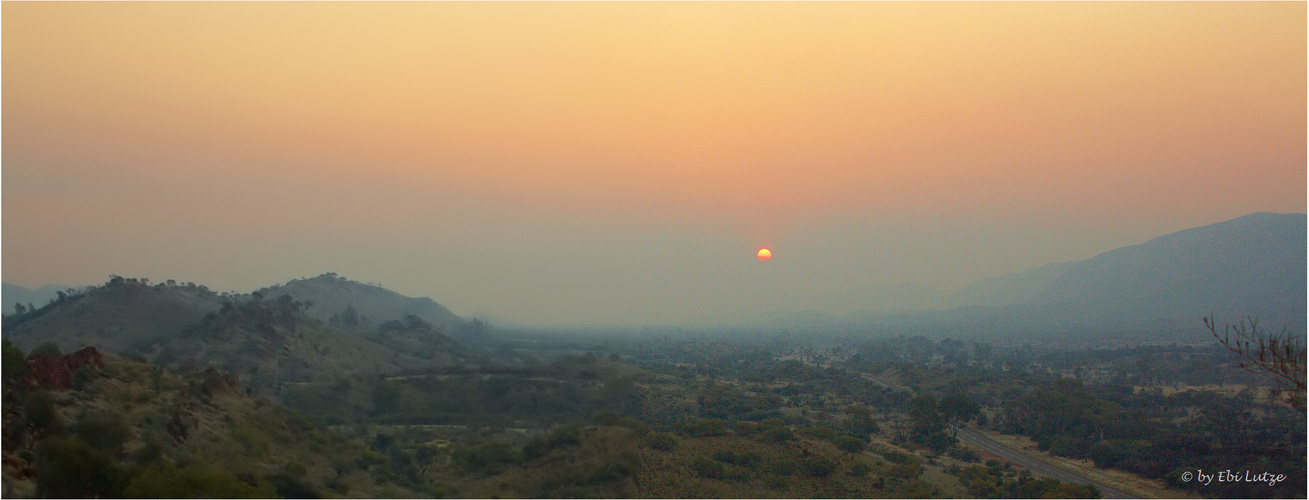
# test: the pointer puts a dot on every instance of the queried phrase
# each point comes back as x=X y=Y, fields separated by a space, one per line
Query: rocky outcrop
x=217 y=382
x=57 y=372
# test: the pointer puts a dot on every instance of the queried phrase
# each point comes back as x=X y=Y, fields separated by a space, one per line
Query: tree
x=15 y=364
x=425 y=456
x=860 y=421
x=926 y=417
x=958 y=408
x=386 y=396
x=850 y=444
x=70 y=468
x=1278 y=354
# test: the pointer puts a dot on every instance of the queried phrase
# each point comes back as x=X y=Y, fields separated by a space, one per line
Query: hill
x=268 y=343
x=121 y=428
x=336 y=299
x=125 y=315
x=1015 y=288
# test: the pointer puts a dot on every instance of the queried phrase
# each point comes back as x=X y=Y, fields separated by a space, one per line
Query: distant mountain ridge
x=1249 y=265
x=1253 y=265
x=12 y=294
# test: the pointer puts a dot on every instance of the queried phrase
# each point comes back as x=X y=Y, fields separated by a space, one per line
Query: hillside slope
x=334 y=296
x=1249 y=265
x=267 y=342
x=125 y=315
x=121 y=428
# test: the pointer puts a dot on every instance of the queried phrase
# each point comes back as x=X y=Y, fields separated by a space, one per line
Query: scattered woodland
x=170 y=390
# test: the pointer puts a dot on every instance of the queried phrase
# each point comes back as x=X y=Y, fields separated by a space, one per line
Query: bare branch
x=1279 y=354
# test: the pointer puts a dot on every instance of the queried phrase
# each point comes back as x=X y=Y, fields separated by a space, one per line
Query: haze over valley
x=654 y=250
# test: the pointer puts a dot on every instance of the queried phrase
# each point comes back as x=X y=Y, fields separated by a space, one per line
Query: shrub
x=965 y=454
x=15 y=365
x=818 y=467
x=565 y=435
x=780 y=433
x=860 y=469
x=850 y=444
x=818 y=432
x=105 y=432
x=706 y=428
x=70 y=468
x=782 y=467
x=39 y=408
x=485 y=458
x=707 y=468
x=896 y=457
x=535 y=448
x=661 y=441
x=196 y=480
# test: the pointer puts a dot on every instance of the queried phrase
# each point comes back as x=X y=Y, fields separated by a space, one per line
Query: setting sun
x=765 y=254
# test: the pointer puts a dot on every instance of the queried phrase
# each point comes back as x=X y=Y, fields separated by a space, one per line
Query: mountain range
x=1251 y=266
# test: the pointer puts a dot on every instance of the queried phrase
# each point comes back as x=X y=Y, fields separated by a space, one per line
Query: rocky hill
x=267 y=342
x=120 y=428
x=338 y=300
x=125 y=315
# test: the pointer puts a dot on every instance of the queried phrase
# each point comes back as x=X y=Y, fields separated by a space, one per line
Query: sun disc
x=765 y=254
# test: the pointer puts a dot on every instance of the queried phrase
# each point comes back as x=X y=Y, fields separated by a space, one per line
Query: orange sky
x=140 y=138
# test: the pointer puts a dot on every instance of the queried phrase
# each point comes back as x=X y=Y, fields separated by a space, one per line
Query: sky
x=603 y=164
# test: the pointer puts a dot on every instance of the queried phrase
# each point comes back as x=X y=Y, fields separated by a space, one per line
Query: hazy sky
x=601 y=163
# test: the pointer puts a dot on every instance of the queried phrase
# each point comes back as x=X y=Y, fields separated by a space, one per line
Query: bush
x=780 y=433
x=535 y=448
x=39 y=408
x=896 y=457
x=196 y=480
x=782 y=467
x=565 y=435
x=707 y=468
x=105 y=432
x=661 y=441
x=818 y=467
x=705 y=428
x=860 y=469
x=485 y=458
x=850 y=444
x=749 y=459
x=964 y=454
x=745 y=428
x=70 y=468
x=818 y=432
x=15 y=365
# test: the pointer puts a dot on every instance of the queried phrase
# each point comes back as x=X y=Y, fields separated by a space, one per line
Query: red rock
x=56 y=373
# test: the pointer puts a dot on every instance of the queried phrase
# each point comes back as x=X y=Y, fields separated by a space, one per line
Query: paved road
x=1035 y=464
